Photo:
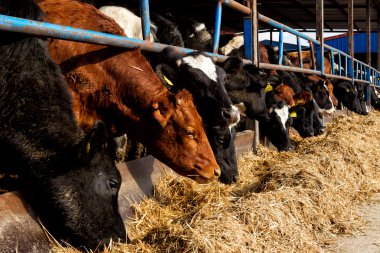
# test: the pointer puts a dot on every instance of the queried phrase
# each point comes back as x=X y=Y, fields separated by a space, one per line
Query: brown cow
x=306 y=60
x=119 y=87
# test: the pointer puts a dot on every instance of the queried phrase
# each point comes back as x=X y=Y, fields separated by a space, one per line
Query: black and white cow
x=375 y=98
x=246 y=84
x=68 y=178
x=197 y=73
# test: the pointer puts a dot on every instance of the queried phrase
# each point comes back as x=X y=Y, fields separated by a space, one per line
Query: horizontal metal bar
x=241 y=8
x=19 y=25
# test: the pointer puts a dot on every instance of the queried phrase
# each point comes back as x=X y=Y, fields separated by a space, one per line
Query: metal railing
x=360 y=71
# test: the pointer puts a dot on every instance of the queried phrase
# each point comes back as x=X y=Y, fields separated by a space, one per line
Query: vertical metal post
x=299 y=52
x=350 y=9
x=332 y=62
x=145 y=18
x=271 y=37
x=312 y=55
x=255 y=58
x=280 y=47
x=368 y=31
x=255 y=42
x=218 y=22
x=319 y=34
x=340 y=63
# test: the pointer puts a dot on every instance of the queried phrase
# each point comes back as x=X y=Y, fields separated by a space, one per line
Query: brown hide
x=286 y=93
x=119 y=87
x=302 y=98
x=306 y=60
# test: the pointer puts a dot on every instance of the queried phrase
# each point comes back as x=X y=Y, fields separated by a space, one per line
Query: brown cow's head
x=182 y=143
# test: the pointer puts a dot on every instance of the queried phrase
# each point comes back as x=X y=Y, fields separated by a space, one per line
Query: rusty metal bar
x=319 y=34
x=350 y=10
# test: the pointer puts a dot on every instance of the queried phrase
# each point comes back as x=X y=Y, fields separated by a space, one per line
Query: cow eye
x=113 y=183
x=220 y=140
x=190 y=133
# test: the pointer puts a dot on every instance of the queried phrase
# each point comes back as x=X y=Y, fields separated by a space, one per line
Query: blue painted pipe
x=248 y=38
x=280 y=47
x=340 y=63
x=332 y=62
x=299 y=48
x=20 y=25
x=145 y=18
x=346 y=66
x=218 y=23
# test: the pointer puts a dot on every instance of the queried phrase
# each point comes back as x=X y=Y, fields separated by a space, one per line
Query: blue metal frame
x=145 y=18
x=218 y=23
x=14 y=24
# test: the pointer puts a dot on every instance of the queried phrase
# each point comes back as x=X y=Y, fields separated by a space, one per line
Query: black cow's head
x=347 y=94
x=276 y=129
x=302 y=121
x=375 y=98
x=362 y=89
x=222 y=143
x=321 y=94
x=80 y=203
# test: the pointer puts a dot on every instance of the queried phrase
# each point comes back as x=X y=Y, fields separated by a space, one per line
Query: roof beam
x=287 y=18
x=308 y=11
x=344 y=12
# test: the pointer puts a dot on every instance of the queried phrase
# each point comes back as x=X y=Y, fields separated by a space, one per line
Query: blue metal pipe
x=248 y=51
x=145 y=18
x=340 y=63
x=332 y=62
x=218 y=22
x=346 y=66
x=19 y=25
x=280 y=47
x=299 y=48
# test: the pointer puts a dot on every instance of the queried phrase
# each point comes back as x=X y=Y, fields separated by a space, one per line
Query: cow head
x=321 y=95
x=347 y=94
x=198 y=74
x=277 y=127
x=179 y=125
x=222 y=143
x=303 y=114
x=362 y=88
x=80 y=201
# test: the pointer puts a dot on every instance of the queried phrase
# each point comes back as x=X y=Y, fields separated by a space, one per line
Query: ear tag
x=300 y=101
x=293 y=114
x=268 y=87
x=168 y=81
x=88 y=147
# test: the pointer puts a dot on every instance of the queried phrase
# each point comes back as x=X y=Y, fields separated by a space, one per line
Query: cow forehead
x=203 y=63
x=283 y=113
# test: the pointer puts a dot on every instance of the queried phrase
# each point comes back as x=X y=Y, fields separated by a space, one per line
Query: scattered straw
x=284 y=202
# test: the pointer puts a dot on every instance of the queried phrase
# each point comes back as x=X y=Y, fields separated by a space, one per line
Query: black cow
x=246 y=84
x=347 y=94
x=68 y=178
x=197 y=73
x=362 y=91
x=182 y=32
x=375 y=98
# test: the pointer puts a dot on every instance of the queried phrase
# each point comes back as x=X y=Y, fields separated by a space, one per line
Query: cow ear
x=241 y=107
x=95 y=140
x=233 y=65
x=161 y=113
x=167 y=75
x=274 y=80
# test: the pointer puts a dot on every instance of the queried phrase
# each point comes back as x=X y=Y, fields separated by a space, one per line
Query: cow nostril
x=217 y=172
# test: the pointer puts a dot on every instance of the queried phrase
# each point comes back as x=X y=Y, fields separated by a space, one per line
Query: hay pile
x=284 y=202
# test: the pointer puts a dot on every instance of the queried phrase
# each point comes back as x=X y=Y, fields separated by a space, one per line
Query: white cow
x=127 y=20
